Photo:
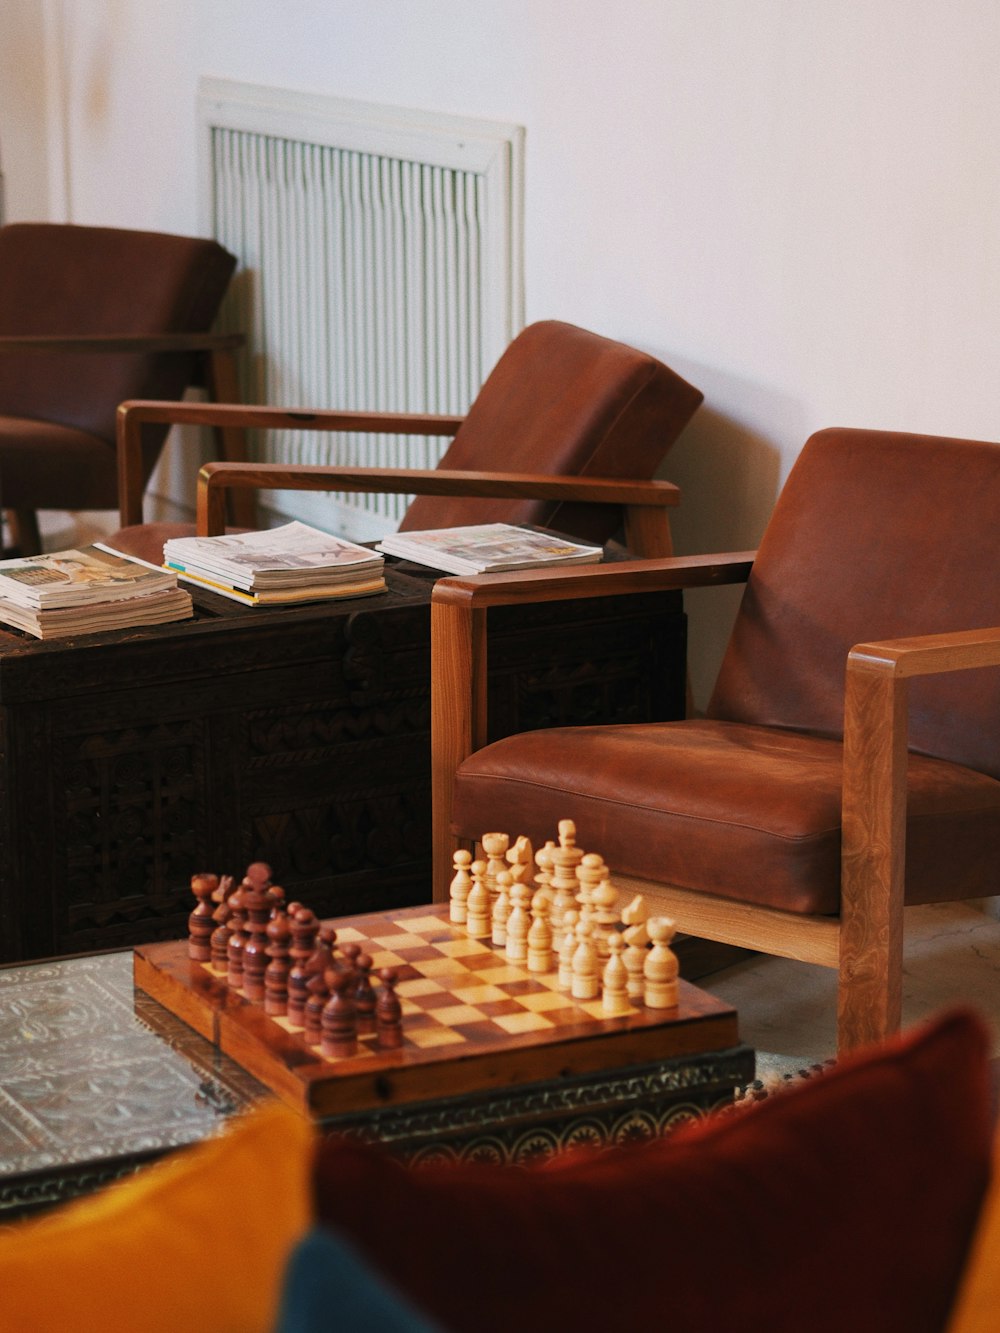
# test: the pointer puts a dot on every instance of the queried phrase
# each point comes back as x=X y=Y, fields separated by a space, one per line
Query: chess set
x=528 y=972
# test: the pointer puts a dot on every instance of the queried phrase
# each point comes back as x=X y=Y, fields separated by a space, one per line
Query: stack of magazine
x=486 y=548
x=293 y=563
x=80 y=591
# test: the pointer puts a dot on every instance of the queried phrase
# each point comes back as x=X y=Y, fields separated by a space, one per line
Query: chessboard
x=471 y=1020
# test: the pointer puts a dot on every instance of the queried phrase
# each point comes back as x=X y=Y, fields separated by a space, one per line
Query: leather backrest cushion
x=846 y=1203
x=562 y=400
x=64 y=279
x=876 y=535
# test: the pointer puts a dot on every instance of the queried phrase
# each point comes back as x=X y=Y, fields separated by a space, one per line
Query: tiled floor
x=788 y=1009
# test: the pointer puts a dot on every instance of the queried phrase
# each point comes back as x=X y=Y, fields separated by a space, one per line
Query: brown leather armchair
x=90 y=316
x=802 y=813
x=565 y=432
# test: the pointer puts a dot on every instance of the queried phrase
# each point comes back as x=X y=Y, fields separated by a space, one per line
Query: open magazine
x=487 y=548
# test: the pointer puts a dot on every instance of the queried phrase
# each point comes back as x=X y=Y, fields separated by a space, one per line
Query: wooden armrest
x=557 y=584
x=929 y=654
x=458 y=648
x=215 y=479
x=133 y=415
x=112 y=342
x=873 y=868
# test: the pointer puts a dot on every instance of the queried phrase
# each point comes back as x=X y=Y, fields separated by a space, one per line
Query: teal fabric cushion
x=328 y=1286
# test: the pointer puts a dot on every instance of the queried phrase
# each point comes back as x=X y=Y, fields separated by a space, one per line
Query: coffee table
x=295 y=735
x=100 y=1078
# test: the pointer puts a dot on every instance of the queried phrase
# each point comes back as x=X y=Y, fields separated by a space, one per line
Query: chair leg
x=24 y=533
x=869 y=996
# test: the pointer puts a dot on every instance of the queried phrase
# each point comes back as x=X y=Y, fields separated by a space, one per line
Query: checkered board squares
x=455 y=990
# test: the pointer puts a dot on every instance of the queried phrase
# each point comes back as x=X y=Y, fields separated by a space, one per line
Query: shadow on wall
x=730 y=472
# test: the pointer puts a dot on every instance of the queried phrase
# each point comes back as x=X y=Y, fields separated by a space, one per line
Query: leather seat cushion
x=145 y=540
x=750 y=813
x=73 y=469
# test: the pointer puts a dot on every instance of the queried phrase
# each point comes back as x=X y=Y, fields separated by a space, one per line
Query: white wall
x=794 y=202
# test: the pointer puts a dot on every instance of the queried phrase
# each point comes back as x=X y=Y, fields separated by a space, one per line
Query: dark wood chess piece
x=388 y=1010
x=339 y=1026
x=200 y=923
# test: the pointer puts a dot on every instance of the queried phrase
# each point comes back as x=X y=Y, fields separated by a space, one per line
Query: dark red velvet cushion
x=846 y=1204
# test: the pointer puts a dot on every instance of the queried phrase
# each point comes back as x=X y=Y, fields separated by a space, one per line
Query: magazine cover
x=279 y=556
x=486 y=547
x=76 y=577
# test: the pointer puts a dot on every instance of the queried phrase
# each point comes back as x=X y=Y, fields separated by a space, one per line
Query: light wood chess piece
x=564 y=883
x=586 y=978
x=614 y=994
x=495 y=846
x=589 y=874
x=636 y=939
x=603 y=901
x=540 y=934
x=501 y=909
x=567 y=947
x=660 y=970
x=520 y=859
x=518 y=924
x=478 y=906
x=460 y=886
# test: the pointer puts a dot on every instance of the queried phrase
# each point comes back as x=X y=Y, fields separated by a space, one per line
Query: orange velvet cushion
x=197 y=1241
x=846 y=1204
x=977 y=1308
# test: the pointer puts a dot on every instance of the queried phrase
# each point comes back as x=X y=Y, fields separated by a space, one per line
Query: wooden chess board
x=471 y=1021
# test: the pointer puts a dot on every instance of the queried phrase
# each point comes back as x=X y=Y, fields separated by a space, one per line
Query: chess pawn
x=364 y=994
x=200 y=923
x=305 y=928
x=589 y=874
x=501 y=909
x=605 y=918
x=258 y=875
x=495 y=846
x=279 y=935
x=518 y=924
x=543 y=860
x=586 y=979
x=567 y=947
x=237 y=939
x=350 y=953
x=460 y=886
x=540 y=934
x=478 y=905
x=614 y=993
x=221 y=916
x=338 y=1026
x=319 y=993
x=660 y=969
x=388 y=1010
x=636 y=939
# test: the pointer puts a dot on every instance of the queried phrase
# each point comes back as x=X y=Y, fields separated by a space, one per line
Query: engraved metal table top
x=92 y=1071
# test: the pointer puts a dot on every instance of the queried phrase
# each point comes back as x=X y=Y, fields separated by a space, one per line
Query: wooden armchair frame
x=645 y=503
x=865 y=944
x=216 y=351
